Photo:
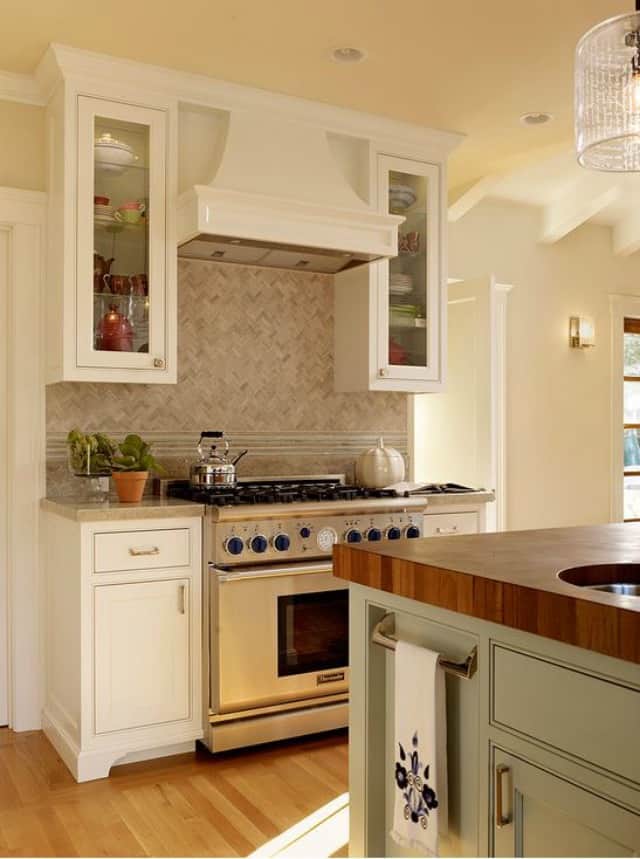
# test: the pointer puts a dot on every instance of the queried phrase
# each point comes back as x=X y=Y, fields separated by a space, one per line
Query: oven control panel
x=273 y=540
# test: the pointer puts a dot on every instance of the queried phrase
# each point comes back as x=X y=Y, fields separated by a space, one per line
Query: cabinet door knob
x=501 y=820
x=383 y=371
x=158 y=363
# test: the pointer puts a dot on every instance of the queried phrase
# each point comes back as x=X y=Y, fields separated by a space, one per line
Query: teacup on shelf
x=130 y=213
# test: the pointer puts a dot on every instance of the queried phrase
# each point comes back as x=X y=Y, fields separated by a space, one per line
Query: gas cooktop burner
x=274 y=492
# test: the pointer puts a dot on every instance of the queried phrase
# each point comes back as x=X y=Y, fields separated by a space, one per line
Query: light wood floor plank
x=190 y=805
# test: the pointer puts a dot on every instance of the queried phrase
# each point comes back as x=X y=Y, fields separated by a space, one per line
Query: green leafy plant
x=135 y=455
x=90 y=453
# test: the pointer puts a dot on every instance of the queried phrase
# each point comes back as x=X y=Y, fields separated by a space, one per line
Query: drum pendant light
x=607 y=95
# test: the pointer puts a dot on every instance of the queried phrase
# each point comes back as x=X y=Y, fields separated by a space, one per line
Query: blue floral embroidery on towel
x=419 y=798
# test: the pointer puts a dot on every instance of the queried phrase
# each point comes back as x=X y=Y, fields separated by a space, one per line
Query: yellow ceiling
x=471 y=66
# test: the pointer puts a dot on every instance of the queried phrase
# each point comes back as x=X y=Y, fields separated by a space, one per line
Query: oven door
x=278 y=634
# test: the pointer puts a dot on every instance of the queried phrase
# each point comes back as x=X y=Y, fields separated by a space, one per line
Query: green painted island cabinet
x=543 y=741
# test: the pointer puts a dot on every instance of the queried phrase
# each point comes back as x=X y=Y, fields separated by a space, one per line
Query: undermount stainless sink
x=622 y=579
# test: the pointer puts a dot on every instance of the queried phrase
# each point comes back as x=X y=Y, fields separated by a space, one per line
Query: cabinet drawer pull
x=452 y=530
x=136 y=551
x=182 y=602
x=501 y=820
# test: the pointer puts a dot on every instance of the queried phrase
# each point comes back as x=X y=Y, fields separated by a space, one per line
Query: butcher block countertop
x=511 y=578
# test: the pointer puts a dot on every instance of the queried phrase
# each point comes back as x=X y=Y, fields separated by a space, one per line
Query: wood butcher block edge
x=511 y=579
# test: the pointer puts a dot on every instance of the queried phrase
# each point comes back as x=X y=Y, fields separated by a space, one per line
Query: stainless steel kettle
x=214 y=468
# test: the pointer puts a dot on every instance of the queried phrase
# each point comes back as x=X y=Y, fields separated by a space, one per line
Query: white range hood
x=279 y=199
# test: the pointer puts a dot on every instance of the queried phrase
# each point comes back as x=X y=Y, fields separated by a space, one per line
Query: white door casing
x=22 y=226
x=459 y=435
x=4 y=576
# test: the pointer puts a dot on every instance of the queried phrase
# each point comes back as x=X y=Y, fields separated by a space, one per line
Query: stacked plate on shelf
x=400 y=284
x=103 y=214
x=401 y=197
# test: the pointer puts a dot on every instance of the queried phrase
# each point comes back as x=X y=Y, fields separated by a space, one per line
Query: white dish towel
x=420 y=777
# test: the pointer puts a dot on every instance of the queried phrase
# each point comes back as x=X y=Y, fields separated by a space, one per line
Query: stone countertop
x=481 y=496
x=511 y=578
x=106 y=511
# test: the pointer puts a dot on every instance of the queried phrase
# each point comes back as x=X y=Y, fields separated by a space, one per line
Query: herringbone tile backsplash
x=255 y=354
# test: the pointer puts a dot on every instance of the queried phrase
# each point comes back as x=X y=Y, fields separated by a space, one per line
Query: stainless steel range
x=277 y=626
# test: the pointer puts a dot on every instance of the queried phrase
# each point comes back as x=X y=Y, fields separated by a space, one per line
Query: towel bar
x=465 y=669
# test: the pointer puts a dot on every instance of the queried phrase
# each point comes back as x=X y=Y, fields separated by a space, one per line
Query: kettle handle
x=211 y=434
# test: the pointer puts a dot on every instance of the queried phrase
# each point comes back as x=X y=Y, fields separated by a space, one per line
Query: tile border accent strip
x=276 y=444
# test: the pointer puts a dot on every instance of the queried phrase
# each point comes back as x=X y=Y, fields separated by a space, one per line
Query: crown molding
x=64 y=62
x=21 y=88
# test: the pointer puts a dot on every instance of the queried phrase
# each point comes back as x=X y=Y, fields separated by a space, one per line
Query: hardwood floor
x=188 y=805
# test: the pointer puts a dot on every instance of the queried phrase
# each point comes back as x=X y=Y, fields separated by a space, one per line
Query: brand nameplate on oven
x=330 y=677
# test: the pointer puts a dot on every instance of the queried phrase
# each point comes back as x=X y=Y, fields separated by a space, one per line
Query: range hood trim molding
x=206 y=210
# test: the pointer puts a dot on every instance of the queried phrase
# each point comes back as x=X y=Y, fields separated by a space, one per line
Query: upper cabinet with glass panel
x=403 y=315
x=118 y=301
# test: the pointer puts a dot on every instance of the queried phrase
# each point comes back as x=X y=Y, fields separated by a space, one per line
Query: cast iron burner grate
x=274 y=492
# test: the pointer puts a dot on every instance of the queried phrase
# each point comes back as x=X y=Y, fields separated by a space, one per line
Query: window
x=631 y=420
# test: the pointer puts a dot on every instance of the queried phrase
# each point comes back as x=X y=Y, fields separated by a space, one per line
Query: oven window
x=313 y=632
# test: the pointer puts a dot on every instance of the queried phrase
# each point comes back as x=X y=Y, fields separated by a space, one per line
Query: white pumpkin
x=379 y=467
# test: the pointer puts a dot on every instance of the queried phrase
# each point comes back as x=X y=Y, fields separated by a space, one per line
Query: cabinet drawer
x=588 y=717
x=141 y=550
x=449 y=524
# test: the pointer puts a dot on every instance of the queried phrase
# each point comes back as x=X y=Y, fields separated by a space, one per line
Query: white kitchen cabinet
x=389 y=316
x=111 y=269
x=123 y=646
x=141 y=636
x=451 y=524
x=539 y=813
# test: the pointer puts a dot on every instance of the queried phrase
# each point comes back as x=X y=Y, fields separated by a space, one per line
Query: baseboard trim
x=93 y=764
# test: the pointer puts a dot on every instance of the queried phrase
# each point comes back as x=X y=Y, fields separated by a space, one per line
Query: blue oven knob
x=412 y=532
x=305 y=532
x=259 y=543
x=394 y=533
x=374 y=534
x=281 y=542
x=353 y=536
x=234 y=545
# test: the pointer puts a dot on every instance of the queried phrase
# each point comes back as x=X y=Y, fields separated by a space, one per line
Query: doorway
x=459 y=434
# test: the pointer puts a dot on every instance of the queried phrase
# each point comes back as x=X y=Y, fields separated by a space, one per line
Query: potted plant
x=90 y=456
x=131 y=468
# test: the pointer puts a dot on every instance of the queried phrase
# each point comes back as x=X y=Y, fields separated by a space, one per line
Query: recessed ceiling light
x=536 y=118
x=348 y=55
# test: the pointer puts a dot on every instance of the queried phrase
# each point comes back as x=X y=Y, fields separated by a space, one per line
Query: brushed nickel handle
x=182 y=603
x=137 y=551
x=501 y=820
x=158 y=363
x=452 y=530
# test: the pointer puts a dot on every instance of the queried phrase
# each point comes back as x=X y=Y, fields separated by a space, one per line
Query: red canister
x=115 y=332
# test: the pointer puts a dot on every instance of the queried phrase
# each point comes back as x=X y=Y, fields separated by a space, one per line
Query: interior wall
x=22 y=146
x=558 y=398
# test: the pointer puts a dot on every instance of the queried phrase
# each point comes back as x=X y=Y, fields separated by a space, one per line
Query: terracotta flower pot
x=130 y=485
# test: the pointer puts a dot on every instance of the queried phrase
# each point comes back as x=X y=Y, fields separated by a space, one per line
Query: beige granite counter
x=106 y=511
x=481 y=496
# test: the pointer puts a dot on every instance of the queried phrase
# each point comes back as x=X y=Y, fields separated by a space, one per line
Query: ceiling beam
x=626 y=235
x=470 y=196
x=575 y=208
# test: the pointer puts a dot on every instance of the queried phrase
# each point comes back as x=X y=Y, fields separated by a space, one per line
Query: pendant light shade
x=607 y=96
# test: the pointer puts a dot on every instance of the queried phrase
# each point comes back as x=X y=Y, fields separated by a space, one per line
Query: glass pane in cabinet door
x=632 y=498
x=408 y=272
x=121 y=236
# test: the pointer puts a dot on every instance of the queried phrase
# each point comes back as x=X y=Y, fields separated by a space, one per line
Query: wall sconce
x=582 y=332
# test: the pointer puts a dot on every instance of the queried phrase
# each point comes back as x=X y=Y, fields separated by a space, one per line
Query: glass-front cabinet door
x=410 y=284
x=121 y=236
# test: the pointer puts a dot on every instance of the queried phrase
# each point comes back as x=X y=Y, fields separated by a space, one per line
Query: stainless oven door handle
x=270 y=572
